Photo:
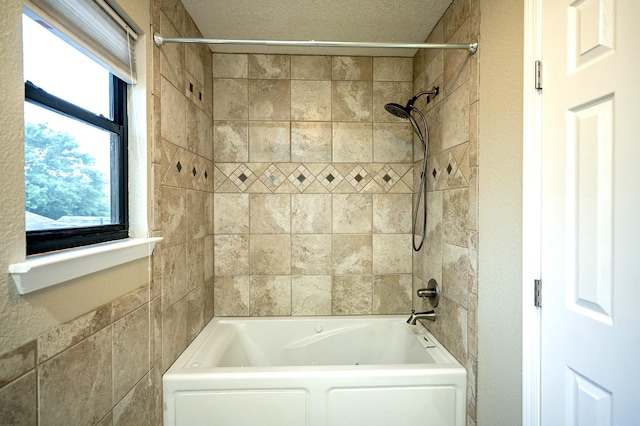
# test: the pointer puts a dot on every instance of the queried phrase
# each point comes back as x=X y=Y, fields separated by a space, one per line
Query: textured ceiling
x=400 y=21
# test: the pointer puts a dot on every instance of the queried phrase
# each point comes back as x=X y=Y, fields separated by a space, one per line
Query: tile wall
x=106 y=366
x=450 y=253
x=312 y=185
x=302 y=206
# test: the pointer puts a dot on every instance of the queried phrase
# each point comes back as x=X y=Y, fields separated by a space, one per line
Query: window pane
x=60 y=69
x=67 y=171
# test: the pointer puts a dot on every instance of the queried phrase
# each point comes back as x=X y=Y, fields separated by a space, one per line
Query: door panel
x=590 y=213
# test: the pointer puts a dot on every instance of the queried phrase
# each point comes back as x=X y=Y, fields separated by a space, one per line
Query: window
x=75 y=144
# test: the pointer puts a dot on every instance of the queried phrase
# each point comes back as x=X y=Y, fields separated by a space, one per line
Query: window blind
x=92 y=26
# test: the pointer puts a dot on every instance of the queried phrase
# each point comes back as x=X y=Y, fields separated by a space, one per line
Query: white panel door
x=590 y=342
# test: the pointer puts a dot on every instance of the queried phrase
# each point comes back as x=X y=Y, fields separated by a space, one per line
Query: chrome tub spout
x=415 y=316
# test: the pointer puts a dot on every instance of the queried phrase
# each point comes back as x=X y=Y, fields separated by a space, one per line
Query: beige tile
x=269 y=66
x=457 y=63
x=231 y=213
x=310 y=100
x=311 y=67
x=311 y=213
x=195 y=313
x=230 y=99
x=199 y=131
x=270 y=254
x=174 y=221
x=231 y=255
x=270 y=295
x=352 y=142
x=269 y=141
x=174 y=273
x=392 y=69
x=455 y=16
x=75 y=386
x=130 y=351
x=392 y=294
x=72 y=332
x=269 y=100
x=392 y=142
x=352 y=100
x=230 y=141
x=472 y=324
x=196 y=220
x=472 y=387
x=352 y=68
x=352 y=254
x=392 y=213
x=311 y=295
x=450 y=328
x=455 y=273
x=311 y=254
x=155 y=330
x=455 y=129
x=231 y=296
x=352 y=213
x=136 y=408
x=174 y=332
x=432 y=249
x=129 y=302
x=18 y=401
x=270 y=213
x=392 y=254
x=173 y=114
x=17 y=362
x=352 y=295
x=311 y=142
x=455 y=211
x=195 y=262
x=171 y=56
x=230 y=65
x=390 y=92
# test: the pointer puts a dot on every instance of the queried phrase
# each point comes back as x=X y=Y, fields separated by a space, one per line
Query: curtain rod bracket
x=472 y=48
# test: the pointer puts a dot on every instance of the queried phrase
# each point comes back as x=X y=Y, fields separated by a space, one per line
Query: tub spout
x=415 y=316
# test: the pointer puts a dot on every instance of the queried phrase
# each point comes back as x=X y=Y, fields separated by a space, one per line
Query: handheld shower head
x=398 y=110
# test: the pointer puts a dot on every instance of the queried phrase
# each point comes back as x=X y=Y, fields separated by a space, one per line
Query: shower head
x=404 y=112
x=398 y=110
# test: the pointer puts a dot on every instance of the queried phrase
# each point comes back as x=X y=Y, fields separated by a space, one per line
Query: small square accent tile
x=386 y=178
x=330 y=177
x=272 y=177
x=358 y=177
x=301 y=178
x=243 y=177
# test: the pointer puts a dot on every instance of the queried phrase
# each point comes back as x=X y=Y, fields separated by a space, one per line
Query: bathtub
x=313 y=371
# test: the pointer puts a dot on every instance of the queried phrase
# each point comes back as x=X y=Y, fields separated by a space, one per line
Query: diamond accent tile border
x=386 y=178
x=330 y=178
x=380 y=178
x=272 y=178
x=243 y=177
x=358 y=177
x=301 y=178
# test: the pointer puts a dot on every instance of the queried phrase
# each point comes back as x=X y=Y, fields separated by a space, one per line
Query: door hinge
x=538 y=75
x=537 y=293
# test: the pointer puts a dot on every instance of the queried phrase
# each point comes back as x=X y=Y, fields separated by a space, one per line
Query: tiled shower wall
x=450 y=253
x=312 y=185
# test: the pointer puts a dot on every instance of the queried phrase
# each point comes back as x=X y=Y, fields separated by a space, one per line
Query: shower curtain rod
x=159 y=40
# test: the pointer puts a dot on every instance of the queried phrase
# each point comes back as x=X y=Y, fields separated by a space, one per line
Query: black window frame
x=41 y=241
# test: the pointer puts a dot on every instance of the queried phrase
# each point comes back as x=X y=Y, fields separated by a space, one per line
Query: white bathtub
x=360 y=370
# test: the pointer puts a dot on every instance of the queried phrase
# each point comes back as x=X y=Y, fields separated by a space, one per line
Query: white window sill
x=46 y=270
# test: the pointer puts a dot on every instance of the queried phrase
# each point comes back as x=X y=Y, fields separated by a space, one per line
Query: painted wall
x=500 y=215
x=450 y=252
